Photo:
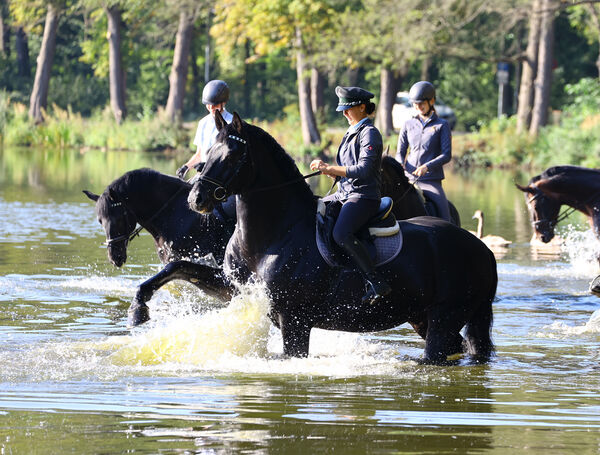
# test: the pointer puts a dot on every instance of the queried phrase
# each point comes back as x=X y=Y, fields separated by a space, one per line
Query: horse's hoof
x=595 y=286
x=137 y=314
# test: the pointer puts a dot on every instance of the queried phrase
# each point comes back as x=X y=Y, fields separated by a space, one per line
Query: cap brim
x=342 y=108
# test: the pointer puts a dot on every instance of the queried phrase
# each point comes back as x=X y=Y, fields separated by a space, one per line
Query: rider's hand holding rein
x=328 y=170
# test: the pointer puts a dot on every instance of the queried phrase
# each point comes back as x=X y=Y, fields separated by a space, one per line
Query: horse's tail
x=478 y=330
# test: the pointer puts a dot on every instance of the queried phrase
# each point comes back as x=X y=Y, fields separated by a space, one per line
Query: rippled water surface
x=206 y=376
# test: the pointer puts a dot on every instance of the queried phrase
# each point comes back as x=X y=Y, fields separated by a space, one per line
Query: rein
x=281 y=185
x=129 y=237
x=220 y=193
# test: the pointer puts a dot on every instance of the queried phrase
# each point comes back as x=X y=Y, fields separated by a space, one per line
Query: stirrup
x=373 y=295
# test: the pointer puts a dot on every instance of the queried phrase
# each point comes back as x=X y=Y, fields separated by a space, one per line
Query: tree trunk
x=39 y=93
x=195 y=95
x=179 y=69
x=425 y=67
x=116 y=77
x=352 y=74
x=383 y=120
x=317 y=98
x=3 y=35
x=539 y=115
x=310 y=133
x=529 y=67
x=22 y=49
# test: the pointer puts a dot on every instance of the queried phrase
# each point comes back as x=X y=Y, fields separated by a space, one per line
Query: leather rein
x=221 y=192
x=129 y=237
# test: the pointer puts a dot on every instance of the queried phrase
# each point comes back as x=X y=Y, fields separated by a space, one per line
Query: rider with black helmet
x=430 y=142
x=214 y=96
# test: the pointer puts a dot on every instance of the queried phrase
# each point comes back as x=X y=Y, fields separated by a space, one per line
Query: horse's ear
x=113 y=195
x=219 y=120
x=92 y=196
x=237 y=122
x=525 y=189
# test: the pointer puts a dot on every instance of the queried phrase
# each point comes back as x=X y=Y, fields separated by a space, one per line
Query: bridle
x=221 y=190
x=551 y=223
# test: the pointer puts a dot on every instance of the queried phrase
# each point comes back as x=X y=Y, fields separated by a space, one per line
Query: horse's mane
x=565 y=170
x=285 y=162
x=390 y=162
x=140 y=180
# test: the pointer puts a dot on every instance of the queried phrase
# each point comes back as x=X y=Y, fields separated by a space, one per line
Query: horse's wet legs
x=454 y=345
x=207 y=278
x=296 y=335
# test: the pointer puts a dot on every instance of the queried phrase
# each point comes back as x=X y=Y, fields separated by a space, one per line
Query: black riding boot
x=377 y=288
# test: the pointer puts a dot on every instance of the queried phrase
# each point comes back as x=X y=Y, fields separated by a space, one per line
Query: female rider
x=358 y=164
x=430 y=144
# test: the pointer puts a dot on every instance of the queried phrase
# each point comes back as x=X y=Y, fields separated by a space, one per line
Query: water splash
x=583 y=250
x=557 y=328
x=240 y=329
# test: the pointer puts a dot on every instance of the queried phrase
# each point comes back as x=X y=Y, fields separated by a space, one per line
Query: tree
x=275 y=24
x=529 y=68
x=39 y=93
x=541 y=103
x=22 y=51
x=116 y=72
x=586 y=17
x=179 y=69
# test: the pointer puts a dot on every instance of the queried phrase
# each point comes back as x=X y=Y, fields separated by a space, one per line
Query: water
x=206 y=377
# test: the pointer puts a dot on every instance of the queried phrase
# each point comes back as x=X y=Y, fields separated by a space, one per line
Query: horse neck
x=265 y=214
x=148 y=202
x=576 y=189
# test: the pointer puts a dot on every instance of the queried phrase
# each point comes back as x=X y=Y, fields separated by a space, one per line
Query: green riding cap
x=351 y=96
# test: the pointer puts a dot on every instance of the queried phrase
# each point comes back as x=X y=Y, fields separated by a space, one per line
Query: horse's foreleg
x=443 y=337
x=206 y=278
x=296 y=335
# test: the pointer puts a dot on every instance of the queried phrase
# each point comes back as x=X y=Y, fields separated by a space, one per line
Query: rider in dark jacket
x=358 y=164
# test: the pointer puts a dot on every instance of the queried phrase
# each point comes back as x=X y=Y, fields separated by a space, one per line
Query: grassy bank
x=573 y=138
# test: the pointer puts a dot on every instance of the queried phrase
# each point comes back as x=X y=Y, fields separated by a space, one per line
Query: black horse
x=408 y=200
x=575 y=186
x=158 y=203
x=443 y=279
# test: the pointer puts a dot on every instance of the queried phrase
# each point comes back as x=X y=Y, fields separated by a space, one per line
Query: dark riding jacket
x=361 y=151
x=430 y=144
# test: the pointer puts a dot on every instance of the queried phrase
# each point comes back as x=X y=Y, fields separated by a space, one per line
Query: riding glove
x=181 y=171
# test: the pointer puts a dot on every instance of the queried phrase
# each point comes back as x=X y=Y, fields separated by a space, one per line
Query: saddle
x=381 y=234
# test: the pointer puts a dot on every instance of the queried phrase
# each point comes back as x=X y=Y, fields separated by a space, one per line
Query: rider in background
x=430 y=142
x=214 y=96
x=358 y=164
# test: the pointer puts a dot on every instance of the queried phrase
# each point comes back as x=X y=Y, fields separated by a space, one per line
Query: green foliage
x=63 y=129
x=574 y=140
x=470 y=89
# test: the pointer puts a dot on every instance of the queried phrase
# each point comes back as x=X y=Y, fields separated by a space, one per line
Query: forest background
x=129 y=74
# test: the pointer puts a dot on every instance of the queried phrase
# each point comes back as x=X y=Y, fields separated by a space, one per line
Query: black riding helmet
x=421 y=91
x=215 y=92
